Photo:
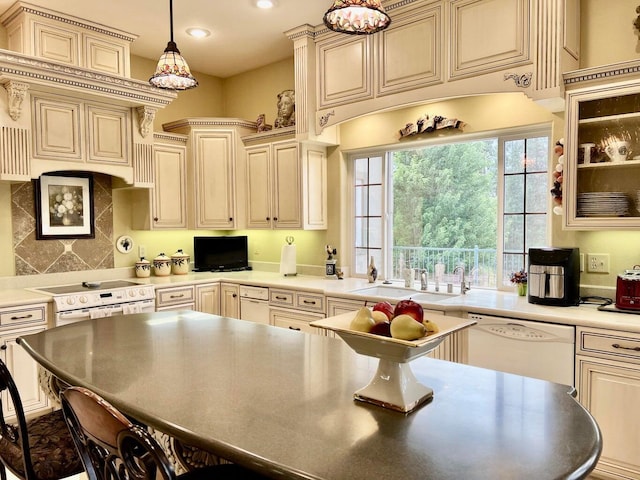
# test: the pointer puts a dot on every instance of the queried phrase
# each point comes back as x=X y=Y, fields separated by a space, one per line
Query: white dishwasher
x=533 y=349
x=254 y=304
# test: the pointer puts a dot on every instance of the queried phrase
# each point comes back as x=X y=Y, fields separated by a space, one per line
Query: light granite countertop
x=487 y=302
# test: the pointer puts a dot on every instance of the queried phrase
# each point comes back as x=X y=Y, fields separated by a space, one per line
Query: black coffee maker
x=554 y=276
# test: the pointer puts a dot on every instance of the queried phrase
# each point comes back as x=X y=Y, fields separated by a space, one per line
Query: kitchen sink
x=382 y=291
x=403 y=293
x=431 y=297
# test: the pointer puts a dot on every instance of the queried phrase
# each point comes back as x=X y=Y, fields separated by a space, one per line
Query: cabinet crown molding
x=603 y=73
x=50 y=75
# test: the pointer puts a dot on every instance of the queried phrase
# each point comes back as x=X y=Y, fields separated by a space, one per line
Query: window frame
x=502 y=136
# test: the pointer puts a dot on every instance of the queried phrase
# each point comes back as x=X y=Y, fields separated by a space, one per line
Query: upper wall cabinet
x=602 y=148
x=50 y=35
x=286 y=182
x=67 y=102
x=216 y=171
x=440 y=49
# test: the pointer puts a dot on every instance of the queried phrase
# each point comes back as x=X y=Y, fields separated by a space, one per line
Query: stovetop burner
x=86 y=287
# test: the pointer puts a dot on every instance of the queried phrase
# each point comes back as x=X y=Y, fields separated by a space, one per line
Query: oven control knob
x=132 y=292
x=71 y=300
x=83 y=299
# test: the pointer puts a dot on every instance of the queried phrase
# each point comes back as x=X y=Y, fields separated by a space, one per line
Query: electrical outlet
x=582 y=262
x=142 y=251
x=598 y=262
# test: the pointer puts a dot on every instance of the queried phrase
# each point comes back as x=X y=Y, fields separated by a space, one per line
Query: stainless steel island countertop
x=281 y=402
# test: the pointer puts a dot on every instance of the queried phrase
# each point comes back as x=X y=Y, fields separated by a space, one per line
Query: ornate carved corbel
x=17 y=93
x=522 y=81
x=146 y=115
x=324 y=119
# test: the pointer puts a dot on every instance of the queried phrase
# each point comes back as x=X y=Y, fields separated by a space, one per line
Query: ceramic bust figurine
x=286 y=109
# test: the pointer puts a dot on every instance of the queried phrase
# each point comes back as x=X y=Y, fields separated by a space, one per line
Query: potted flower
x=520 y=280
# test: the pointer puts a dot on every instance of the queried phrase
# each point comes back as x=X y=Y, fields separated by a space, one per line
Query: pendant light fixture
x=357 y=17
x=172 y=71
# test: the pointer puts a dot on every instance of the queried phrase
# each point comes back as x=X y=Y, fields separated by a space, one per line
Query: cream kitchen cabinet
x=15 y=322
x=175 y=298
x=431 y=50
x=608 y=384
x=601 y=187
x=286 y=185
x=338 y=306
x=51 y=35
x=294 y=309
x=215 y=171
x=208 y=298
x=164 y=207
x=230 y=300
x=71 y=134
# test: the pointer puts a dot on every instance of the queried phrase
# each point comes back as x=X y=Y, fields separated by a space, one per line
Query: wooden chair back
x=110 y=445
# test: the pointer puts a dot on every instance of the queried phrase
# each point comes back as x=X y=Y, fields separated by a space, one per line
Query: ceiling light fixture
x=264 y=4
x=198 y=32
x=356 y=17
x=172 y=71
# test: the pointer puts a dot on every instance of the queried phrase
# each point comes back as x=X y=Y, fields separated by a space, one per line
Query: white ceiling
x=243 y=36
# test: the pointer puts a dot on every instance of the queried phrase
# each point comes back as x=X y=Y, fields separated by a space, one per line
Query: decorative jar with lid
x=180 y=263
x=143 y=268
x=162 y=265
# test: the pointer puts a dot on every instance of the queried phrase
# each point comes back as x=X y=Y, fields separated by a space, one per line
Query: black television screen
x=220 y=254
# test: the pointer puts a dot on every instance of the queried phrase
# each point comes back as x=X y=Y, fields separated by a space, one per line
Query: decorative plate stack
x=603 y=204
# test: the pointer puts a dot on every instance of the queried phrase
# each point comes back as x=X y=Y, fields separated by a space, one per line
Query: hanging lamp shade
x=172 y=71
x=356 y=17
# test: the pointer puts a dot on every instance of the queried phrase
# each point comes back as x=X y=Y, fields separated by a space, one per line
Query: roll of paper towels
x=288 y=260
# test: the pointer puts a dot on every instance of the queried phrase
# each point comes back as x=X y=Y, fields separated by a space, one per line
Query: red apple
x=411 y=308
x=384 y=307
x=382 y=328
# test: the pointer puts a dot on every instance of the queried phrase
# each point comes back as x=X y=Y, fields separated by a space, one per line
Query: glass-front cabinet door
x=602 y=158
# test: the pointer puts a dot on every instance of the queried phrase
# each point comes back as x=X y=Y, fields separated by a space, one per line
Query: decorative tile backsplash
x=52 y=256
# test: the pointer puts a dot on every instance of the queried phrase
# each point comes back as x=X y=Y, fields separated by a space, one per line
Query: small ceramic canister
x=143 y=268
x=162 y=265
x=180 y=263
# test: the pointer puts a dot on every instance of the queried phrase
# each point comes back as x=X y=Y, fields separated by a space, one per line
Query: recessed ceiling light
x=264 y=4
x=198 y=32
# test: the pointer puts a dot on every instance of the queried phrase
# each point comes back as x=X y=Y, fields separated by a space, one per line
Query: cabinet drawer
x=281 y=297
x=21 y=316
x=310 y=301
x=172 y=296
x=609 y=344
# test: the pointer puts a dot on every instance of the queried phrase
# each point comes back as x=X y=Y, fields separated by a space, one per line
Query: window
x=478 y=203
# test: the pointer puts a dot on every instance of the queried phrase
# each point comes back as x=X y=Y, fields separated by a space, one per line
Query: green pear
x=363 y=321
x=404 y=327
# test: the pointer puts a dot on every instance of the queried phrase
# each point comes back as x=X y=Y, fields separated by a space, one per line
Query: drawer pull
x=24 y=317
x=309 y=302
x=177 y=296
x=4 y=347
x=617 y=345
x=294 y=328
x=280 y=298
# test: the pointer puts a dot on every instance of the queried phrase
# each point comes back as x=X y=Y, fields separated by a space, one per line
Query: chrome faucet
x=464 y=288
x=424 y=281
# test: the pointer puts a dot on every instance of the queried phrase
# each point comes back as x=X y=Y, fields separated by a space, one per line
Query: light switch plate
x=597 y=262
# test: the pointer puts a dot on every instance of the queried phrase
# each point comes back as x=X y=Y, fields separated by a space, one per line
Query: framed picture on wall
x=64 y=206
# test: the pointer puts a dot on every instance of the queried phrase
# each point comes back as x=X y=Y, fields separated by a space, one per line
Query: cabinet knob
x=268 y=219
x=275 y=219
x=234 y=295
x=155 y=219
x=231 y=219
x=3 y=347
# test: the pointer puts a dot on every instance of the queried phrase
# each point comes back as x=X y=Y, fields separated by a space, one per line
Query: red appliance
x=628 y=290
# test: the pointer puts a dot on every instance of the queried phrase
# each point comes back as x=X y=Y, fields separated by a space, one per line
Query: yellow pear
x=404 y=327
x=379 y=317
x=430 y=326
x=363 y=321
